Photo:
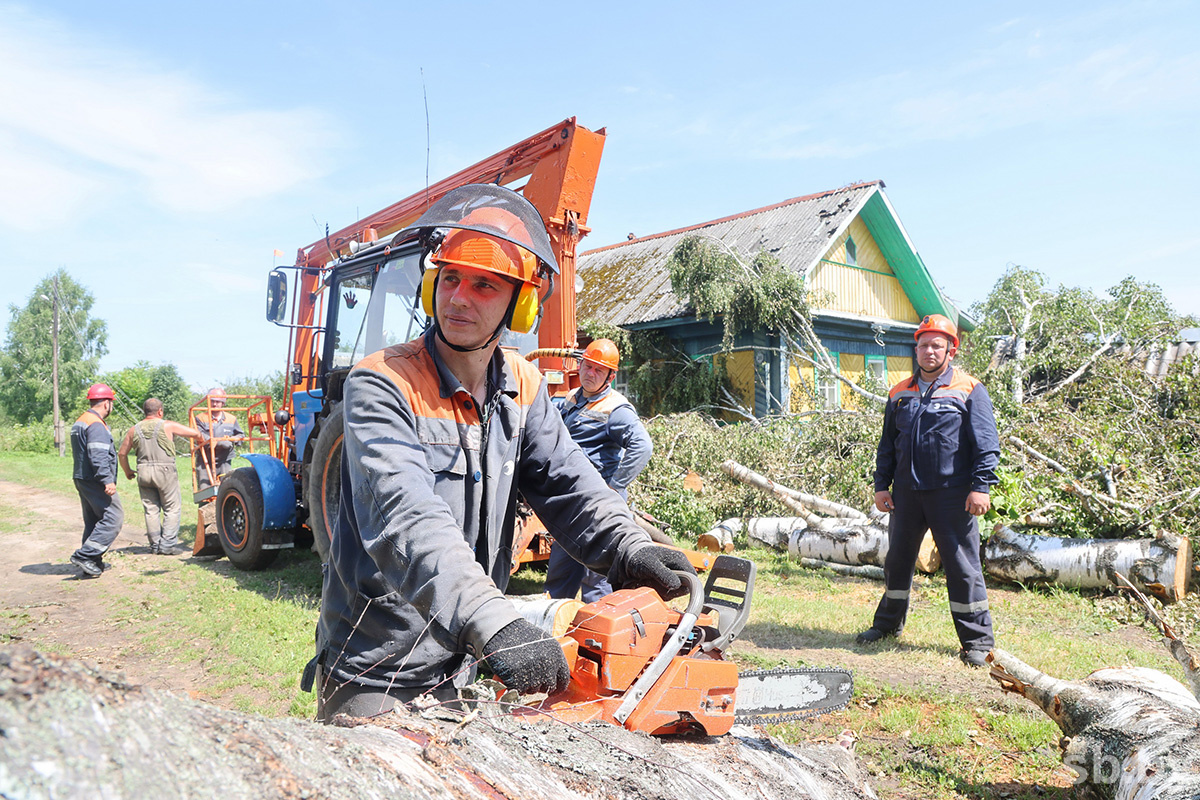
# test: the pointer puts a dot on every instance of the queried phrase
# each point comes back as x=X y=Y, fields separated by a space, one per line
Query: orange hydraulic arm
x=560 y=163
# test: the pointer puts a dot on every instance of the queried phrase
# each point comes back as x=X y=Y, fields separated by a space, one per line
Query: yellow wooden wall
x=740 y=367
x=801 y=380
x=862 y=290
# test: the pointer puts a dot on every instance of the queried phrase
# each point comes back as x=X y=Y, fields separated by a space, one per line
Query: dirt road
x=47 y=605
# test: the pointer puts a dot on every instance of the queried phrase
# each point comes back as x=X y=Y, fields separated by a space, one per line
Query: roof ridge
x=751 y=212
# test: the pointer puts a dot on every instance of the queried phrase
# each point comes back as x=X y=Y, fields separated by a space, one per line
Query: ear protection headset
x=478 y=251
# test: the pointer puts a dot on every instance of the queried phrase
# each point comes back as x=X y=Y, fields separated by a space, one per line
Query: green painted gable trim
x=909 y=268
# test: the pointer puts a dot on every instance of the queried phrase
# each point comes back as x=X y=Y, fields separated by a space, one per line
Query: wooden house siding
x=870 y=288
x=739 y=365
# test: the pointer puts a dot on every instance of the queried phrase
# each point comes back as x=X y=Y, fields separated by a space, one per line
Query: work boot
x=172 y=550
x=973 y=658
x=89 y=568
x=872 y=635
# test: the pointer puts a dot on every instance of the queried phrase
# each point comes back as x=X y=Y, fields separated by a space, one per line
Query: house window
x=828 y=387
x=851 y=252
x=877 y=371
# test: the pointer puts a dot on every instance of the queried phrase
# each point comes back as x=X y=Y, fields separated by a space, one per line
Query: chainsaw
x=637 y=663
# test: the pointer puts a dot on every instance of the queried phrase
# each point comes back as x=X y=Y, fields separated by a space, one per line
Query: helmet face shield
x=491 y=210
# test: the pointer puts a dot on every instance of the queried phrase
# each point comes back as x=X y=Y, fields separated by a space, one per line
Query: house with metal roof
x=869 y=286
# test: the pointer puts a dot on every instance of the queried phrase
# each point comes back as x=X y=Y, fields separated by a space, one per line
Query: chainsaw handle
x=695 y=592
x=658 y=666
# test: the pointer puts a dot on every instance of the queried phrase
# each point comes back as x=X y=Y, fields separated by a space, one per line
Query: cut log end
x=1183 y=563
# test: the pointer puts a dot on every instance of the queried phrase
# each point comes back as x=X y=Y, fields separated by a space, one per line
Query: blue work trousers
x=102 y=519
x=565 y=577
x=956 y=533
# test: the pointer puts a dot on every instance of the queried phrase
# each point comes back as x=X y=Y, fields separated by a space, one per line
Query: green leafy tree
x=271 y=385
x=25 y=362
x=134 y=384
x=759 y=295
x=1040 y=341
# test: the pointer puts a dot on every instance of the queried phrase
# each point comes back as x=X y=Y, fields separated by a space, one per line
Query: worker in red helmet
x=96 y=481
x=934 y=465
x=607 y=428
x=441 y=434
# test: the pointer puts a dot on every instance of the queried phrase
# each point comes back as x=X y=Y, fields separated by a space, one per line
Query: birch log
x=1129 y=734
x=1158 y=566
x=839 y=540
x=71 y=731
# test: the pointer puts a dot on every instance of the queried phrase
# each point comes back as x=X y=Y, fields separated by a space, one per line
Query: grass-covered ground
x=924 y=725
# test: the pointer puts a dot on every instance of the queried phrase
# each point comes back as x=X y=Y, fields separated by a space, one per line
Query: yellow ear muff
x=525 y=310
x=428 y=285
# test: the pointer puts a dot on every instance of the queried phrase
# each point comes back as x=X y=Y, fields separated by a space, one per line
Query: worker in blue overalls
x=608 y=430
x=935 y=463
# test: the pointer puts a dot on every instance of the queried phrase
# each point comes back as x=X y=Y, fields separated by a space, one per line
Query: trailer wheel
x=239 y=520
x=325 y=481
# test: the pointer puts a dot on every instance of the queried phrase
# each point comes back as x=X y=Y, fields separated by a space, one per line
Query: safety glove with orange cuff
x=655 y=567
x=527 y=659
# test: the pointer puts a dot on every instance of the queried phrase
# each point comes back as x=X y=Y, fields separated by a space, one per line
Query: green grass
x=248 y=636
x=53 y=474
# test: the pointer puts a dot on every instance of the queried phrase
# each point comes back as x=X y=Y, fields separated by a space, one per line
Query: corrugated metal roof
x=628 y=283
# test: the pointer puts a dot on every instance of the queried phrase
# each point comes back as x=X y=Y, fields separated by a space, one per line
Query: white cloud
x=81 y=122
x=1033 y=76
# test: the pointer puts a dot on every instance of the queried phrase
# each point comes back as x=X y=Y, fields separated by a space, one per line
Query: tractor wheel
x=239 y=520
x=325 y=481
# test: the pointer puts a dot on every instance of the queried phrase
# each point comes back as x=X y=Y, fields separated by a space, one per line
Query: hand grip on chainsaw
x=683 y=630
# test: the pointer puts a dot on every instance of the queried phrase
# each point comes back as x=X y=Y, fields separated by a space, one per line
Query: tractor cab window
x=388 y=312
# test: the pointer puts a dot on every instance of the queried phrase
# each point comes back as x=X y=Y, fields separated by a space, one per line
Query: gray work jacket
x=422 y=551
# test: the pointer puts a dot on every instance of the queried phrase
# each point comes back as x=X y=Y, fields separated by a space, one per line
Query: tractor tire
x=324 y=490
x=239 y=520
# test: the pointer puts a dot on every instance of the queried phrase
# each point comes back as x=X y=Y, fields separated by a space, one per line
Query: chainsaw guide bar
x=791 y=693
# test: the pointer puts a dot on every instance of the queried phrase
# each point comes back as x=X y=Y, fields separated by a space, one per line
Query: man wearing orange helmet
x=936 y=459
x=606 y=426
x=441 y=433
x=95 y=478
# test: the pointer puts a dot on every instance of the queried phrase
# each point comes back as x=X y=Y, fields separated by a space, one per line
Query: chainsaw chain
x=793 y=716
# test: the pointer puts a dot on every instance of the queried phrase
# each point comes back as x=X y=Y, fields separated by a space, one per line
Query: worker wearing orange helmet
x=95 y=478
x=441 y=434
x=934 y=465
x=607 y=428
x=219 y=432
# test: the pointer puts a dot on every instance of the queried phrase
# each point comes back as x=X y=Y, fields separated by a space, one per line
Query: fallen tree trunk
x=838 y=540
x=858 y=571
x=1159 y=566
x=1129 y=734
x=72 y=731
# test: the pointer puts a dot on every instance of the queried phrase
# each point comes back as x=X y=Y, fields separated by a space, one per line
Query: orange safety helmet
x=603 y=352
x=216 y=393
x=477 y=250
x=100 y=391
x=936 y=323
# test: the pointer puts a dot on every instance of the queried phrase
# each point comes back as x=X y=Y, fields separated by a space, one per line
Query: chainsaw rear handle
x=683 y=630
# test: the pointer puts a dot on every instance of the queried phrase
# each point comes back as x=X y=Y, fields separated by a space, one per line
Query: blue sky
x=161 y=151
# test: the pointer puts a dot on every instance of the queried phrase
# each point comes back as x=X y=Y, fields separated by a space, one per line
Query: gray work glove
x=527 y=659
x=652 y=566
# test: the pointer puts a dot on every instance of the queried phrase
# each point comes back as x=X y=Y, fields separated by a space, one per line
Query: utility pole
x=58 y=426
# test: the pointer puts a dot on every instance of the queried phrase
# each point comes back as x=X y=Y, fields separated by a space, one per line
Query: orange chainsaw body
x=612 y=641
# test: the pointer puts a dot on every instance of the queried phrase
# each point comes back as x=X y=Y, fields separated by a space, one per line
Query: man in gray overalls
x=157 y=476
